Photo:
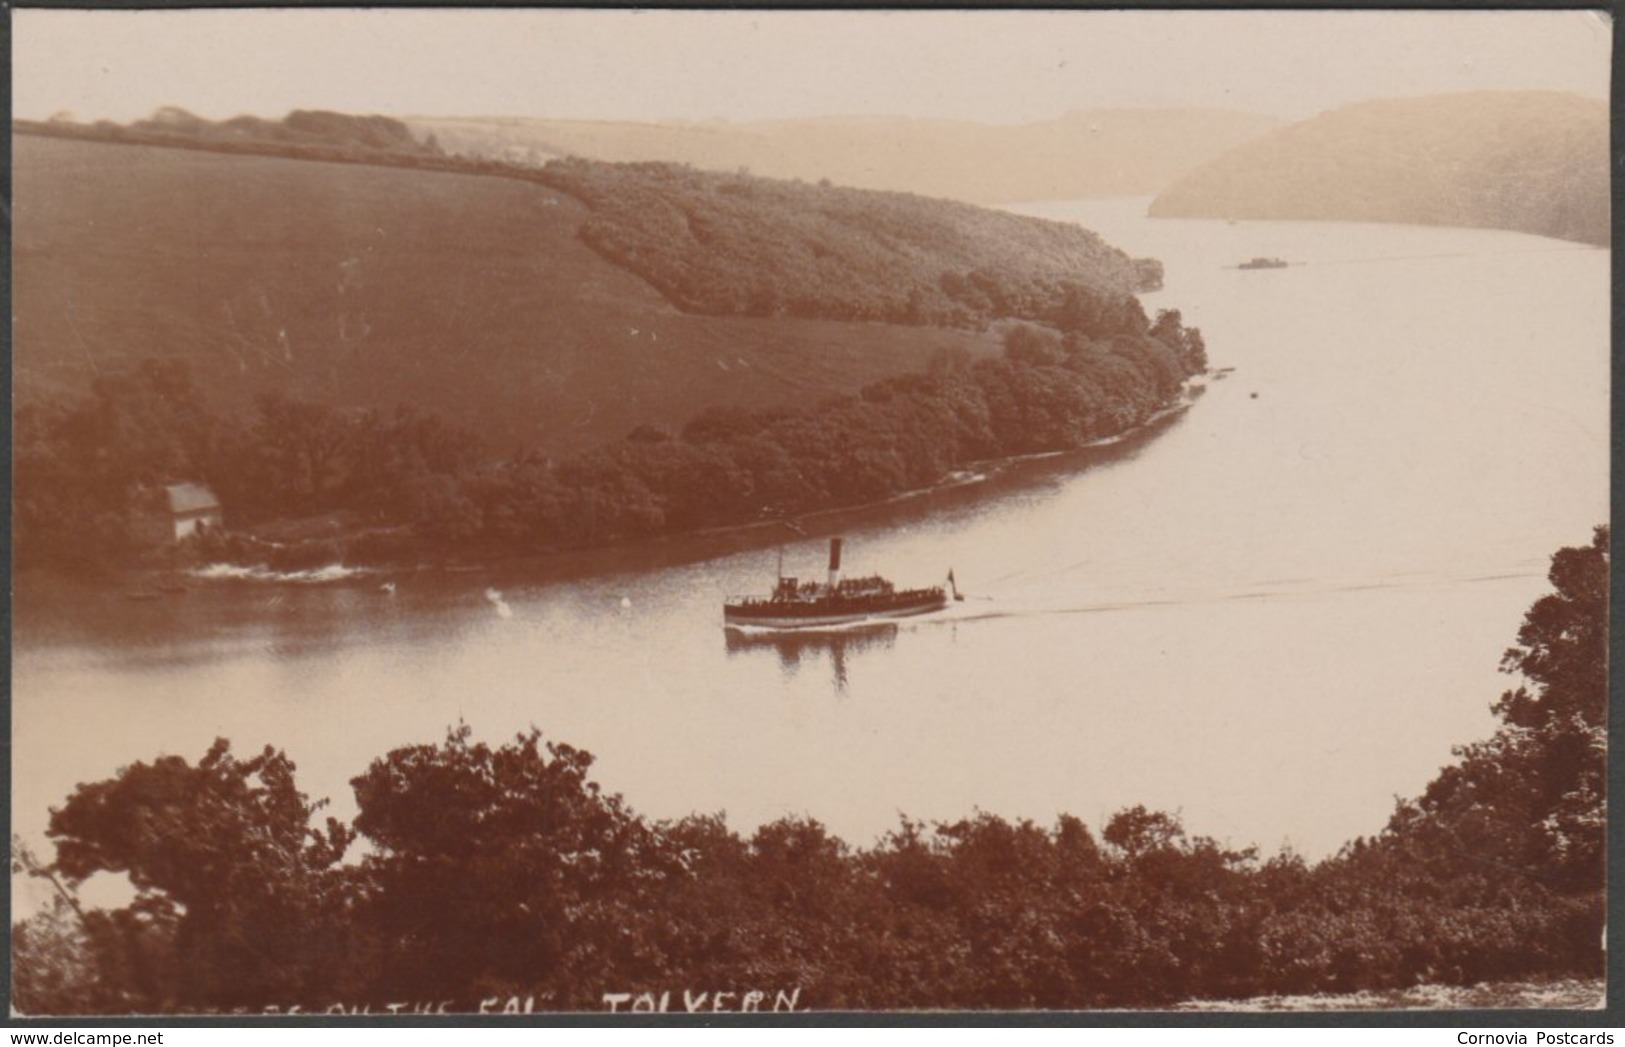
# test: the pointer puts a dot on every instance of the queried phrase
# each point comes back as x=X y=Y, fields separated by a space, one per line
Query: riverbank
x=340 y=548
x=59 y=608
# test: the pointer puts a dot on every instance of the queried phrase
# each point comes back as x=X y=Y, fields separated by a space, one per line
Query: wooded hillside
x=398 y=275
x=475 y=358
x=1533 y=162
x=359 y=285
x=737 y=244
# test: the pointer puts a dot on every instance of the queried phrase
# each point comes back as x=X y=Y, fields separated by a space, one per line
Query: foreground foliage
x=506 y=871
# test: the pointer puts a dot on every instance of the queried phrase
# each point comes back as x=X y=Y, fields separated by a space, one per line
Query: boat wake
x=315 y=576
x=1017 y=606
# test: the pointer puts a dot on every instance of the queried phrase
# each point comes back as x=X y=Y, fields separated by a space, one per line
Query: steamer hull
x=815 y=614
x=795 y=604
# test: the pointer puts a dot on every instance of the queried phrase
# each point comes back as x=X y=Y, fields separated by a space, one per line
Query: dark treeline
x=411 y=484
x=498 y=872
x=88 y=474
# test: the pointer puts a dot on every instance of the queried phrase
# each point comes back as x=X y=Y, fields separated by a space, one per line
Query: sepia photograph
x=663 y=513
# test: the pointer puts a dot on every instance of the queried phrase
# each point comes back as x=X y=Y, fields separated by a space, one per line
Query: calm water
x=1272 y=616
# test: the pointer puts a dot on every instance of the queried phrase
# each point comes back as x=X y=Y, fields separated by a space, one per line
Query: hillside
x=740 y=244
x=1117 y=152
x=363 y=285
x=644 y=349
x=1534 y=162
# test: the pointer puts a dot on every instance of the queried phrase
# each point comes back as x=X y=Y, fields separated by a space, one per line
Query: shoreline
x=803 y=525
x=157 y=585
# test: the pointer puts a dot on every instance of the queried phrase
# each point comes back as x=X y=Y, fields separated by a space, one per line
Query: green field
x=356 y=285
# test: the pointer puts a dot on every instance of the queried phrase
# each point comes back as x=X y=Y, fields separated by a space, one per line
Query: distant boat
x=795 y=604
x=1264 y=263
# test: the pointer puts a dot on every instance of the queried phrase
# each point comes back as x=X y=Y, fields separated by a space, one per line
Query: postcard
x=686 y=512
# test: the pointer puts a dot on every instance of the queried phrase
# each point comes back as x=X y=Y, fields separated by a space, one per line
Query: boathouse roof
x=187 y=498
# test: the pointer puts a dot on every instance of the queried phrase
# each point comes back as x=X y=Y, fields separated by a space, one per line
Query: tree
x=1139 y=833
x=82 y=468
x=1562 y=648
x=309 y=449
x=1032 y=345
x=499 y=870
x=1525 y=810
x=53 y=959
x=224 y=854
x=1169 y=329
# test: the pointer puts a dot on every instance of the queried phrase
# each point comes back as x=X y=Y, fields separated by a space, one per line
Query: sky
x=991 y=66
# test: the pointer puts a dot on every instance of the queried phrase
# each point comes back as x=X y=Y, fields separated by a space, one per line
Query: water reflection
x=792 y=646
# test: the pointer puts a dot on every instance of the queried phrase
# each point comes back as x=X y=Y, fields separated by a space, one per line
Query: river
x=1272 y=615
